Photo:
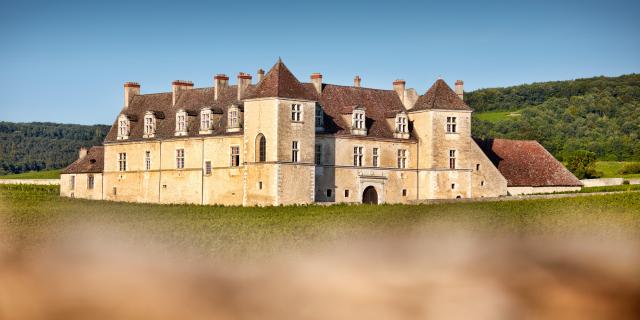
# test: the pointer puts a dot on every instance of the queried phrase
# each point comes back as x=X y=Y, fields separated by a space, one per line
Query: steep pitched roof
x=93 y=162
x=440 y=97
x=281 y=83
x=338 y=100
x=191 y=100
x=527 y=164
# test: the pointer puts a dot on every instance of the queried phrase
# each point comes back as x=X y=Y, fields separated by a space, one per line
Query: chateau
x=281 y=142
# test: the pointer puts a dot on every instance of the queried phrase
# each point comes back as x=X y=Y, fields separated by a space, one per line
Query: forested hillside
x=39 y=146
x=599 y=114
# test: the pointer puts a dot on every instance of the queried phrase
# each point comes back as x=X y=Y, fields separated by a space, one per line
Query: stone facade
x=282 y=142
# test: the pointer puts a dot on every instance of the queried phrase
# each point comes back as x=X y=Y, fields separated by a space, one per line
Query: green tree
x=582 y=164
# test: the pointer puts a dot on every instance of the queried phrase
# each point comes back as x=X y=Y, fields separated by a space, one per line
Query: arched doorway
x=370 y=195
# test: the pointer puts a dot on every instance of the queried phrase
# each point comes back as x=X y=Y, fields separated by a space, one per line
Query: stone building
x=283 y=142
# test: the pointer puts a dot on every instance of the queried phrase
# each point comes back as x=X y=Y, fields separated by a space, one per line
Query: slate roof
x=93 y=162
x=526 y=163
x=440 y=97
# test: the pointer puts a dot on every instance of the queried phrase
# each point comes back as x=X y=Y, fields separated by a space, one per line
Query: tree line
x=599 y=115
x=42 y=146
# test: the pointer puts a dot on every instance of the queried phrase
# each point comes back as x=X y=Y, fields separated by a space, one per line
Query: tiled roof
x=335 y=100
x=440 y=97
x=527 y=164
x=281 y=83
x=339 y=100
x=93 y=162
x=190 y=100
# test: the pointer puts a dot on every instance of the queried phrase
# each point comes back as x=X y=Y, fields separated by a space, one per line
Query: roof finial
x=439 y=77
x=279 y=59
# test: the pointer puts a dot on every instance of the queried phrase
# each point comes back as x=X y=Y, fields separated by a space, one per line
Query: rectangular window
x=318 y=154
x=477 y=167
x=233 y=118
x=451 y=124
x=358 y=120
x=206 y=121
x=319 y=117
x=375 y=157
x=148 y=125
x=402 y=158
x=295 y=151
x=182 y=123
x=72 y=182
x=180 y=158
x=401 y=124
x=122 y=161
x=123 y=128
x=357 y=156
x=207 y=167
x=452 y=159
x=260 y=185
x=235 y=156
x=147 y=160
x=296 y=112
x=346 y=193
x=404 y=192
x=453 y=186
x=90 y=181
x=329 y=193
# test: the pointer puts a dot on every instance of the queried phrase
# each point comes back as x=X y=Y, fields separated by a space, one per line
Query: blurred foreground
x=543 y=259
x=445 y=276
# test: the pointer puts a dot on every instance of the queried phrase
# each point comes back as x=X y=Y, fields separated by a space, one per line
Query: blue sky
x=66 y=61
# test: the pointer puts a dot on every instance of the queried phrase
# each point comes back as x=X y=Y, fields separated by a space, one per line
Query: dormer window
x=206 y=121
x=181 y=123
x=358 y=124
x=124 y=127
x=149 y=125
x=319 y=118
x=233 y=119
x=402 y=126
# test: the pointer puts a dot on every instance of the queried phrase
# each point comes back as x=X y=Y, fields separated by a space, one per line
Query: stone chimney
x=460 y=89
x=179 y=85
x=220 y=81
x=260 y=75
x=356 y=81
x=130 y=89
x=398 y=87
x=316 y=79
x=244 y=80
x=82 y=153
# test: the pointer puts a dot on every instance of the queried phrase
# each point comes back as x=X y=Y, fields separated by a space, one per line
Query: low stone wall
x=634 y=181
x=515 y=198
x=52 y=182
x=602 y=182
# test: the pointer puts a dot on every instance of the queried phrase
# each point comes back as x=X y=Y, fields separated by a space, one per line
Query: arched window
x=261 y=148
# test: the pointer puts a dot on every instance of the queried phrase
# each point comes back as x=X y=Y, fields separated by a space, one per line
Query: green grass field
x=45 y=174
x=611 y=169
x=495 y=116
x=34 y=215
